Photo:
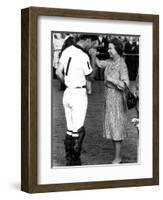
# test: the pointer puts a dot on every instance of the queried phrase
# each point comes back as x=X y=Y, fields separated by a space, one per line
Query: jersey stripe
x=68 y=64
x=88 y=65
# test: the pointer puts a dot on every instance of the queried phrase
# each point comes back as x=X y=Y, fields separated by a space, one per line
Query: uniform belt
x=78 y=87
x=84 y=86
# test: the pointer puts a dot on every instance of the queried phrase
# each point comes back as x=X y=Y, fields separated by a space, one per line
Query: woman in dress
x=115 y=80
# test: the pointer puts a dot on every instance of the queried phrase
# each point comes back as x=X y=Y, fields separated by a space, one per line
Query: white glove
x=136 y=122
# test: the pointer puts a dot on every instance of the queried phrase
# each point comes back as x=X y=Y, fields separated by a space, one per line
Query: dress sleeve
x=124 y=74
x=101 y=63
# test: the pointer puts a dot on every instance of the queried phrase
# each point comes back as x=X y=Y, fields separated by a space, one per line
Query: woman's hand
x=120 y=85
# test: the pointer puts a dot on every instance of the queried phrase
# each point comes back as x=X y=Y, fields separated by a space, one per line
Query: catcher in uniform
x=74 y=70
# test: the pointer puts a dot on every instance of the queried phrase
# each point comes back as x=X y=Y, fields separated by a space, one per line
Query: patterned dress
x=115 y=115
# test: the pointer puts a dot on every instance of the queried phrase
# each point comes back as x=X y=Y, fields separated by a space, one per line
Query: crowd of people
x=130 y=51
x=86 y=58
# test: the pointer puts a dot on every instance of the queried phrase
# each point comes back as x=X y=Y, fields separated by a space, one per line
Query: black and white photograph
x=95 y=99
x=90 y=99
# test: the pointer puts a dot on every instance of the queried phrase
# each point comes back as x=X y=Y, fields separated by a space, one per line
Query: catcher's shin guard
x=68 y=142
x=78 y=145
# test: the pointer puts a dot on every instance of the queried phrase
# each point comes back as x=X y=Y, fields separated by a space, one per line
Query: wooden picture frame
x=29 y=112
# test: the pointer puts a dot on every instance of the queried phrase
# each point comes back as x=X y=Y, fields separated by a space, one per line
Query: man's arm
x=90 y=77
x=59 y=72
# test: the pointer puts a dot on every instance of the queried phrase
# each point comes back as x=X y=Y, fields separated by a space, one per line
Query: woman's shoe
x=117 y=161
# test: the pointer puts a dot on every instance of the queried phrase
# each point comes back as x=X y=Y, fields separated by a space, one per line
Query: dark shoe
x=76 y=161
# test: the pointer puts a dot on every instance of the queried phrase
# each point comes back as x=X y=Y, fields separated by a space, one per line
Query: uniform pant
x=75 y=103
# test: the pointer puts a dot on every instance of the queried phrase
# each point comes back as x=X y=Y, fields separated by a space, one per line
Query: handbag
x=131 y=100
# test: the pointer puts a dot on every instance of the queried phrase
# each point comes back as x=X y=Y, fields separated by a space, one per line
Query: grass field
x=96 y=149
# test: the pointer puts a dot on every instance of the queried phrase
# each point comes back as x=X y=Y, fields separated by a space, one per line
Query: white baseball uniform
x=76 y=66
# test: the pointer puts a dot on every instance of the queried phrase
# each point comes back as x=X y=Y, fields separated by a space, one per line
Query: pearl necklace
x=115 y=63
